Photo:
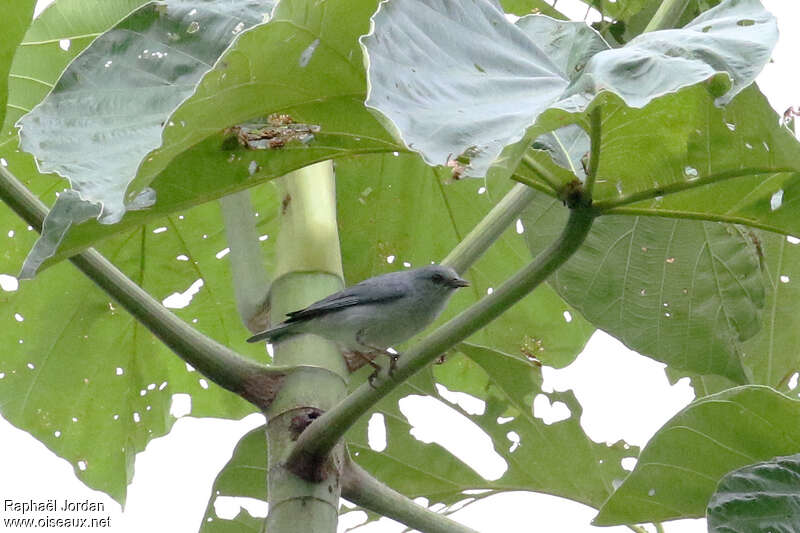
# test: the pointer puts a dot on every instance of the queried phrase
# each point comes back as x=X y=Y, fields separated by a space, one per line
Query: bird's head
x=441 y=278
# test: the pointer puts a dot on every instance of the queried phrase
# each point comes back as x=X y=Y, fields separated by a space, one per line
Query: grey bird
x=368 y=318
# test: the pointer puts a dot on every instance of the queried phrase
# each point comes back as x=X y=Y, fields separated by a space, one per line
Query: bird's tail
x=273 y=334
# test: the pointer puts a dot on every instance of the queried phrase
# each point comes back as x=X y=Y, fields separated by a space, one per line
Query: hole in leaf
x=433 y=421
x=181 y=405
x=547 y=413
x=470 y=404
x=376 y=432
x=776 y=200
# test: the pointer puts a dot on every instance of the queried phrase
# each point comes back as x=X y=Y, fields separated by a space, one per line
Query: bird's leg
x=374 y=365
x=374 y=349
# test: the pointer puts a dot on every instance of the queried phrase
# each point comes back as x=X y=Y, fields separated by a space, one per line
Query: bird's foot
x=371 y=378
x=393 y=357
x=368 y=360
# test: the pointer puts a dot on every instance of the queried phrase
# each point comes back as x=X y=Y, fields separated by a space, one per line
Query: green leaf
x=773 y=355
x=683 y=292
x=471 y=85
x=158 y=53
x=75 y=352
x=68 y=209
x=378 y=192
x=758 y=498
x=723 y=431
x=489 y=90
x=17 y=18
x=54 y=39
x=259 y=75
x=696 y=161
x=314 y=75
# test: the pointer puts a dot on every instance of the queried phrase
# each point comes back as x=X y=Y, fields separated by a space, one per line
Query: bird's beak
x=458 y=282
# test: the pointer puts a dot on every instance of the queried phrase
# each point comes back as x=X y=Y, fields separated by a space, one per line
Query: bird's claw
x=371 y=378
x=393 y=357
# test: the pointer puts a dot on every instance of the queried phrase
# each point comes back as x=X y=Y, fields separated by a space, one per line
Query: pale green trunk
x=308 y=268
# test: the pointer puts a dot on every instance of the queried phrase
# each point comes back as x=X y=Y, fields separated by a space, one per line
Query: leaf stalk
x=250 y=280
x=361 y=488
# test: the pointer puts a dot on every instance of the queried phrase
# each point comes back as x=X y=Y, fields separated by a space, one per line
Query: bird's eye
x=437 y=278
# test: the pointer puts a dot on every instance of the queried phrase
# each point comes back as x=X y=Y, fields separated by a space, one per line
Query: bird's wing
x=366 y=292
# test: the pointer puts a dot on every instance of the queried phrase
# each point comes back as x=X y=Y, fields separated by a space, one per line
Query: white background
x=623 y=395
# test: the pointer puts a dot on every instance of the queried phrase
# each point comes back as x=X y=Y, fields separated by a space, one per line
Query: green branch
x=361 y=488
x=679 y=186
x=250 y=280
x=228 y=369
x=322 y=435
x=489 y=229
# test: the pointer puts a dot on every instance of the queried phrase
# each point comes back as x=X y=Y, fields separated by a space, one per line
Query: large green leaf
x=772 y=356
x=388 y=207
x=157 y=55
x=757 y=498
x=473 y=82
x=17 y=18
x=118 y=379
x=85 y=131
x=678 y=470
x=258 y=76
x=54 y=39
x=683 y=292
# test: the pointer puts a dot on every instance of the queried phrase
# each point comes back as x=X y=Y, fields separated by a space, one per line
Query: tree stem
x=321 y=436
x=228 y=369
x=309 y=268
x=361 y=488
